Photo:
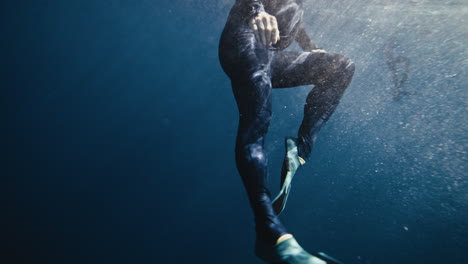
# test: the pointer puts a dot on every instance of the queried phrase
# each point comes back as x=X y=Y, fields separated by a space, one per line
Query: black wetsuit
x=254 y=69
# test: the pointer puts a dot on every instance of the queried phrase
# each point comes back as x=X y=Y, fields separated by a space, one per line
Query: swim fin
x=290 y=165
x=286 y=252
x=328 y=259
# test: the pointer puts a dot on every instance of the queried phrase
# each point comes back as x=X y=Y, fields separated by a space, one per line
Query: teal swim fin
x=286 y=252
x=290 y=165
x=328 y=259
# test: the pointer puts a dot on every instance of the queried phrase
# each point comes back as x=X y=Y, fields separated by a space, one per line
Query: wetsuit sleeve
x=253 y=7
x=304 y=41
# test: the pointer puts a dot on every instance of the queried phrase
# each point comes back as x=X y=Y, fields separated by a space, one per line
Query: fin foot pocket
x=285 y=252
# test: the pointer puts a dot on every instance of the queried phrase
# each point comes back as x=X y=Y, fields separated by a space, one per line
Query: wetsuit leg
x=248 y=66
x=329 y=73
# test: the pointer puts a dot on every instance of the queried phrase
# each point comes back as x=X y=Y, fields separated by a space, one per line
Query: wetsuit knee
x=254 y=154
x=346 y=67
x=349 y=68
x=342 y=73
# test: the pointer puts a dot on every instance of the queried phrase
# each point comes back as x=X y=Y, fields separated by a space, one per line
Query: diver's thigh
x=290 y=69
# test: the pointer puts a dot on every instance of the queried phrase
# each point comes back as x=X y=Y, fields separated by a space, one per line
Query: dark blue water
x=120 y=124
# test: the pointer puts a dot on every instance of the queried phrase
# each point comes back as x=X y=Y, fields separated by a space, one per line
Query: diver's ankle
x=283 y=238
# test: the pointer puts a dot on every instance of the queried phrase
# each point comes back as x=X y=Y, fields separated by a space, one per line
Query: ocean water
x=120 y=126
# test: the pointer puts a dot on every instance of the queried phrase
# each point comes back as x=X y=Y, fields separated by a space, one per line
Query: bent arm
x=304 y=41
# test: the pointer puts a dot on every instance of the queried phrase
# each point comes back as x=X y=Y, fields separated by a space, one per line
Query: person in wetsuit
x=251 y=53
